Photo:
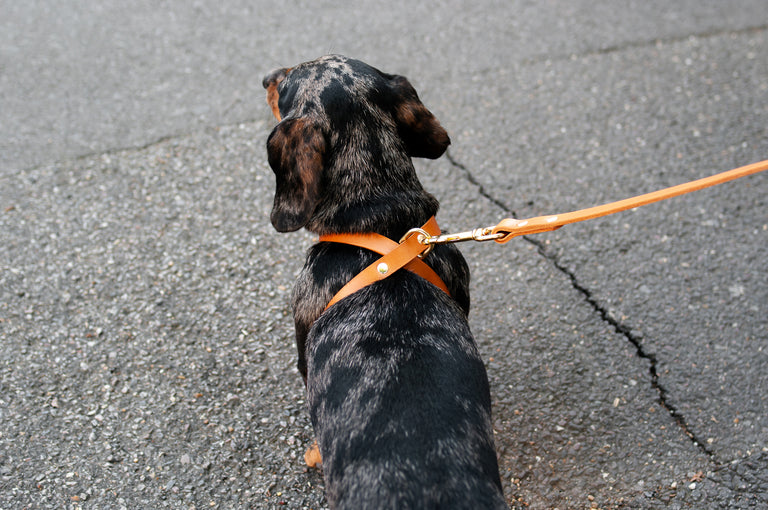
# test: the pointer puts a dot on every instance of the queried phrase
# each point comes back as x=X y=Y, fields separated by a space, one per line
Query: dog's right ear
x=423 y=135
x=296 y=150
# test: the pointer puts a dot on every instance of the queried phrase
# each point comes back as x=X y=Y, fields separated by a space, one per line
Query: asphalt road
x=146 y=343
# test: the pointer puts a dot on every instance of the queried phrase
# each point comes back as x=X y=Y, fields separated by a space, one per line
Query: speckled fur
x=397 y=392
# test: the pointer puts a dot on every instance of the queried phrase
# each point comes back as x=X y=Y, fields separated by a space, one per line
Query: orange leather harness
x=405 y=254
x=419 y=241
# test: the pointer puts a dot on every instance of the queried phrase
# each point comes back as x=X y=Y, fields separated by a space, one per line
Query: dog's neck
x=368 y=206
x=391 y=216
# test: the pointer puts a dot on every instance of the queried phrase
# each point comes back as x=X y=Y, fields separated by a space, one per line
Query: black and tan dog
x=397 y=393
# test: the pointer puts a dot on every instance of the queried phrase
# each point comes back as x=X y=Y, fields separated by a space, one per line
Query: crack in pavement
x=602 y=311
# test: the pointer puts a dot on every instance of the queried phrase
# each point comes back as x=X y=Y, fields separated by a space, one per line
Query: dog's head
x=346 y=134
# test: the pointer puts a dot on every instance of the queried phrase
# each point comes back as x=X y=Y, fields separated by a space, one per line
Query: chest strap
x=395 y=256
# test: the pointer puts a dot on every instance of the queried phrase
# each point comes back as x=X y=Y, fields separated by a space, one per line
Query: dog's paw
x=312 y=457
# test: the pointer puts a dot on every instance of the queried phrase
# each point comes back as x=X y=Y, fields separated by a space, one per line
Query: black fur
x=397 y=392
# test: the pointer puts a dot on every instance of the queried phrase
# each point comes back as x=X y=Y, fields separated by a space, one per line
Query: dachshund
x=397 y=392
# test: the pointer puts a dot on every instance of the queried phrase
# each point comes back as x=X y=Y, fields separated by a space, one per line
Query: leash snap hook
x=424 y=238
x=478 y=234
x=486 y=234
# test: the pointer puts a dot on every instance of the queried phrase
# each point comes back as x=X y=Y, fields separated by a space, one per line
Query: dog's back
x=400 y=403
x=397 y=392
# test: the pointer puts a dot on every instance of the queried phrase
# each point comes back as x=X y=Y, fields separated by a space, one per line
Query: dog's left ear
x=296 y=150
x=423 y=135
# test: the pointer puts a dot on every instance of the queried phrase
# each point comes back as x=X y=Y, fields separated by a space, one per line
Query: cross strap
x=395 y=256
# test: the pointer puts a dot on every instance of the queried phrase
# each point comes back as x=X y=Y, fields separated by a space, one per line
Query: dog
x=397 y=393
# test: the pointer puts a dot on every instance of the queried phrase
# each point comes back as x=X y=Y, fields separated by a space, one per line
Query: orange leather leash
x=508 y=228
x=419 y=241
x=395 y=256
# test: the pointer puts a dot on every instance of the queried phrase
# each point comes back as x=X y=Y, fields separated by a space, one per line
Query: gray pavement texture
x=146 y=343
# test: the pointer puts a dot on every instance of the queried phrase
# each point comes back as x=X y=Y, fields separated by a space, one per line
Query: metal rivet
x=382 y=268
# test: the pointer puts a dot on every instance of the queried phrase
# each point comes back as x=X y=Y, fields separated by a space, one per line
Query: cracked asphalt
x=146 y=342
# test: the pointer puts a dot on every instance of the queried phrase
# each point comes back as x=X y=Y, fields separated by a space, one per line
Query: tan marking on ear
x=406 y=112
x=272 y=98
x=273 y=95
